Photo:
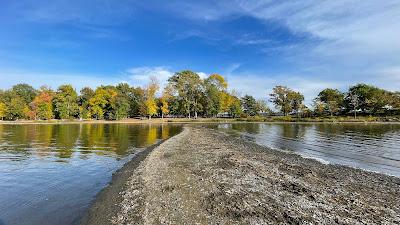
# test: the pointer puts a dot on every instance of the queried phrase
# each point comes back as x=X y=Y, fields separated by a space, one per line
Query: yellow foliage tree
x=150 y=103
x=166 y=96
x=219 y=81
x=3 y=110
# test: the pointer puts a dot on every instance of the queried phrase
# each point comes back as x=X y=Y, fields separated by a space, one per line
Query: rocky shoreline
x=203 y=176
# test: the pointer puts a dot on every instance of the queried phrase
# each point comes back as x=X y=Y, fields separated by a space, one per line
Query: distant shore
x=208 y=177
x=394 y=120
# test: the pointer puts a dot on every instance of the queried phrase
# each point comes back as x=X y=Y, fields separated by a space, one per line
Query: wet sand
x=203 y=176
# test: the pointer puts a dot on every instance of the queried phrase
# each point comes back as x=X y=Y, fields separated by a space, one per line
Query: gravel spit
x=204 y=176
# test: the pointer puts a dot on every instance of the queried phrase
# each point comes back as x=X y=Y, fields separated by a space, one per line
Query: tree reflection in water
x=69 y=140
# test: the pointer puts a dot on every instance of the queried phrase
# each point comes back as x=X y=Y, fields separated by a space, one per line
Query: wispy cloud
x=307 y=45
x=353 y=35
x=260 y=86
x=140 y=76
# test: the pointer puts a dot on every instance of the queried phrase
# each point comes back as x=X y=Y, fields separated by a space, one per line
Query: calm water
x=374 y=147
x=50 y=173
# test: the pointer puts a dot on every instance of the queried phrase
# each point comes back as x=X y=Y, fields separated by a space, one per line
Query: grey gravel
x=203 y=176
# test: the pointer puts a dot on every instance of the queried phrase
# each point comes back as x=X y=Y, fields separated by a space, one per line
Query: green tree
x=354 y=101
x=249 y=105
x=189 y=89
x=296 y=102
x=138 y=104
x=395 y=100
x=235 y=109
x=122 y=107
x=25 y=91
x=66 y=102
x=15 y=105
x=83 y=102
x=123 y=101
x=319 y=107
x=332 y=99
x=370 y=99
x=215 y=93
x=280 y=96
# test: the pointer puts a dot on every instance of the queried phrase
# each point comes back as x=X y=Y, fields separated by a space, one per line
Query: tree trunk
x=195 y=111
x=355 y=113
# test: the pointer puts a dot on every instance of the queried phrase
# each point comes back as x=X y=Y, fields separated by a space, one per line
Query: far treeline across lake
x=188 y=95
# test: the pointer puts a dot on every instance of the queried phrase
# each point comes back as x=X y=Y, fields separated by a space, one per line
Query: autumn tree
x=166 y=96
x=101 y=103
x=42 y=104
x=216 y=98
x=150 y=101
x=3 y=110
x=213 y=85
x=15 y=105
x=66 y=102
x=17 y=99
x=287 y=100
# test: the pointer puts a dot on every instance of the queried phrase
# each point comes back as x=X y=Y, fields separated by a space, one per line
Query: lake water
x=49 y=174
x=374 y=147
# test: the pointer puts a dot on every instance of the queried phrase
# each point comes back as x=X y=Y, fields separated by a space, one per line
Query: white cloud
x=351 y=36
x=202 y=75
x=232 y=68
x=140 y=76
x=260 y=86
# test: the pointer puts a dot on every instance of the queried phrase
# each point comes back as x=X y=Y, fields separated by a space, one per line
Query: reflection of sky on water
x=373 y=147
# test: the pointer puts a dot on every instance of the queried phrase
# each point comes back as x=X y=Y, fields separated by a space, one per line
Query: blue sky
x=307 y=45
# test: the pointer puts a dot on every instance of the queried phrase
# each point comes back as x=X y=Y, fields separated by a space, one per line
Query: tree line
x=186 y=94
